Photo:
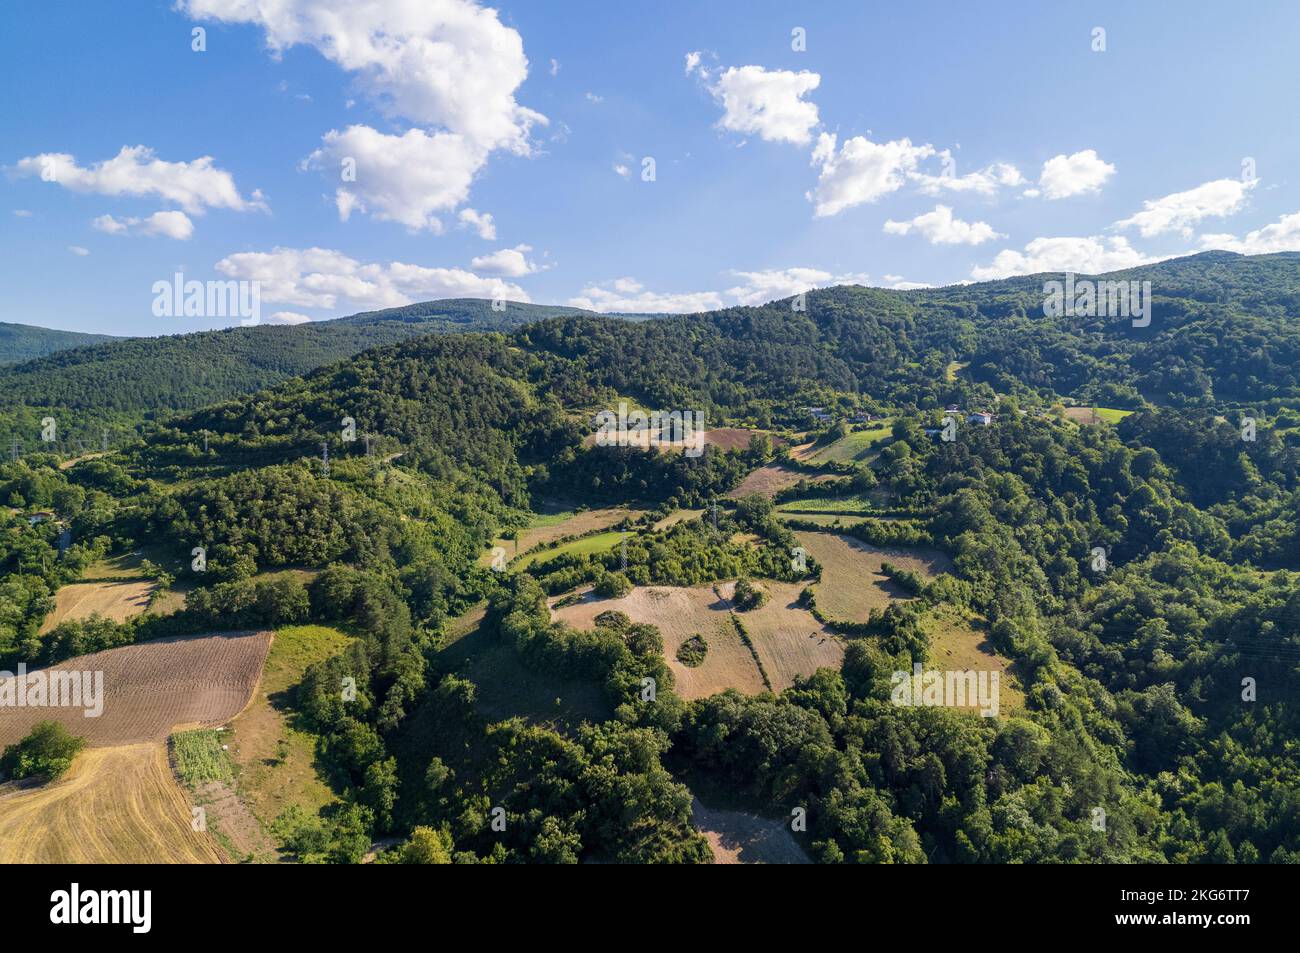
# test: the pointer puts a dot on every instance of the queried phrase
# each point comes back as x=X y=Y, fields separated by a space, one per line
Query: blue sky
x=931 y=144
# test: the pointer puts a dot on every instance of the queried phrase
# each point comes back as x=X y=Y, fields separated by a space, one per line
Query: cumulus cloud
x=405 y=179
x=288 y=317
x=761 y=287
x=78 y=250
x=941 y=227
x=324 y=278
x=450 y=67
x=1179 y=211
x=762 y=102
x=22 y=213
x=507 y=263
x=172 y=224
x=1090 y=256
x=629 y=295
x=136 y=171
x=1282 y=235
x=481 y=222
x=861 y=171
x=1076 y=174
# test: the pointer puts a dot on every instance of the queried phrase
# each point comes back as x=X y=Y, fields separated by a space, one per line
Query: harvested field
x=787 y=640
x=152 y=688
x=114 y=600
x=677 y=516
x=768 y=480
x=115 y=805
x=852 y=583
x=737 y=837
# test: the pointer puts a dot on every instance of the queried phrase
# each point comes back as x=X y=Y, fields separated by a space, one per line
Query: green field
x=856 y=446
x=597 y=543
x=199 y=757
x=827 y=505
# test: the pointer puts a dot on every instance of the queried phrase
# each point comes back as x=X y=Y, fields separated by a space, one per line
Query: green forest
x=387 y=453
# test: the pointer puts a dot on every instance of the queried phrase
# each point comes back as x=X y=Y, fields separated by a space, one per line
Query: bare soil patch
x=738 y=837
x=152 y=688
x=770 y=479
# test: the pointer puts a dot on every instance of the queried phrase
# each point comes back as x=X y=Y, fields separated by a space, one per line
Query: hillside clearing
x=852 y=583
x=739 y=837
x=118 y=601
x=787 y=640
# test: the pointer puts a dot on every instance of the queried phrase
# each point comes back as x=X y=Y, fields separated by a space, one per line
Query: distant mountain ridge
x=151 y=375
x=23 y=342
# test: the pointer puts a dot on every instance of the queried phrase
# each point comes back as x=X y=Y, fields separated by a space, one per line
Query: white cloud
x=136 y=171
x=1181 y=210
x=406 y=179
x=78 y=250
x=761 y=287
x=899 y=283
x=593 y=98
x=861 y=171
x=439 y=63
x=22 y=213
x=1089 y=256
x=289 y=317
x=1076 y=174
x=985 y=181
x=448 y=66
x=507 y=263
x=629 y=295
x=692 y=62
x=555 y=67
x=1282 y=235
x=171 y=224
x=323 y=278
x=481 y=222
x=622 y=170
x=762 y=102
x=941 y=227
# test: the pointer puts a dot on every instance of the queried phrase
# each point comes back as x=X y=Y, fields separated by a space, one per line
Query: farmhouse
x=980 y=418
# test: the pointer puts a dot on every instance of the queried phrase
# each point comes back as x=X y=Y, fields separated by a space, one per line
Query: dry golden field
x=115 y=805
x=787 y=640
x=852 y=583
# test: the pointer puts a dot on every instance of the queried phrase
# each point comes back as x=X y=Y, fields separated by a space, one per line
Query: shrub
x=47 y=752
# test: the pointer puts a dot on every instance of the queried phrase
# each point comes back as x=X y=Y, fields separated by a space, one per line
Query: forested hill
x=136 y=376
x=22 y=342
x=1223 y=333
